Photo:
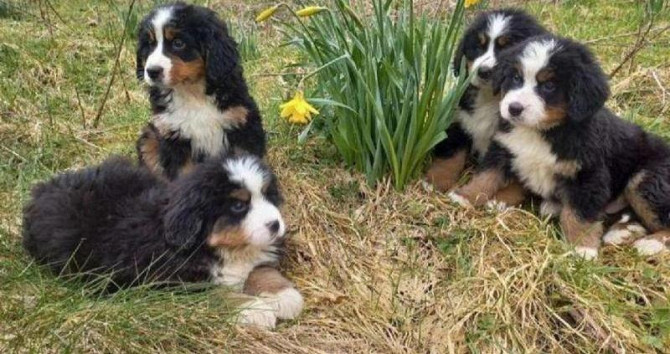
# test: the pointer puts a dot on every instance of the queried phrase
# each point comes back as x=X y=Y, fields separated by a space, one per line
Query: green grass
x=381 y=271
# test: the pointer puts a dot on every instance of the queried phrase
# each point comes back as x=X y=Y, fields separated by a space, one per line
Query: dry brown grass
x=381 y=271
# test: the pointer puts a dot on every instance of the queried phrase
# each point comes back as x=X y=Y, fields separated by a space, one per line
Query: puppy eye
x=517 y=79
x=178 y=44
x=548 y=86
x=238 y=207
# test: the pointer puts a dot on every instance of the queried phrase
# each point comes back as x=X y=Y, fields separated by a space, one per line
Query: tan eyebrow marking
x=482 y=38
x=503 y=40
x=241 y=194
x=545 y=75
x=170 y=33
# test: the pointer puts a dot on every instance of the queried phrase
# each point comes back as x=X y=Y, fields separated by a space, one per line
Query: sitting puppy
x=116 y=221
x=477 y=118
x=557 y=137
x=201 y=104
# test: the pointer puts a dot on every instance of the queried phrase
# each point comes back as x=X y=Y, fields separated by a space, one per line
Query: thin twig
x=621 y=35
x=660 y=85
x=96 y=120
x=54 y=11
x=81 y=108
x=639 y=44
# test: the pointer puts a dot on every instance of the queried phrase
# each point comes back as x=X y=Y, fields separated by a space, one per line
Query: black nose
x=274 y=226
x=484 y=73
x=154 y=72
x=515 y=109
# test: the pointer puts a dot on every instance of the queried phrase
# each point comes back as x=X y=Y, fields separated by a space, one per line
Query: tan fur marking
x=553 y=116
x=513 y=194
x=641 y=205
x=444 y=173
x=237 y=115
x=170 y=33
x=483 y=39
x=241 y=194
x=482 y=187
x=580 y=232
x=502 y=41
x=545 y=75
x=149 y=150
x=186 y=71
x=227 y=237
x=567 y=168
x=265 y=280
x=468 y=64
x=187 y=167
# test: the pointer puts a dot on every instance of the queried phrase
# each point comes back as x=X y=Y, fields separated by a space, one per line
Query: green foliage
x=388 y=80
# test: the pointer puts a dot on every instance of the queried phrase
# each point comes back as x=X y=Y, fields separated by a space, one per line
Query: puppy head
x=181 y=43
x=547 y=81
x=229 y=203
x=490 y=33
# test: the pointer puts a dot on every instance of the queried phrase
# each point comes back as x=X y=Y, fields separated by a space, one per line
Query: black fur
x=119 y=220
x=207 y=38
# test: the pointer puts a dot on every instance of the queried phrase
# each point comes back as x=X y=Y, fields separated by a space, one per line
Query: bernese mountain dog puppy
x=200 y=101
x=119 y=223
x=560 y=141
x=477 y=117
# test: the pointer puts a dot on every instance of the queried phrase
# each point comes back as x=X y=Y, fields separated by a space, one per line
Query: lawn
x=381 y=271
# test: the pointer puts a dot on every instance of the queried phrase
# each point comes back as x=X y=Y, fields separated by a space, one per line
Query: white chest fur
x=236 y=265
x=483 y=121
x=197 y=118
x=534 y=162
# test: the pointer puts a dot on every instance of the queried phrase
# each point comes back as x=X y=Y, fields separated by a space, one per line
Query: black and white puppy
x=118 y=222
x=557 y=137
x=477 y=117
x=200 y=101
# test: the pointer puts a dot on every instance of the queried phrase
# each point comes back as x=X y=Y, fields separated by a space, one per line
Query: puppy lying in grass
x=219 y=224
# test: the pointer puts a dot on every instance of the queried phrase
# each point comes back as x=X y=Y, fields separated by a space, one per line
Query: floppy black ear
x=222 y=60
x=184 y=218
x=588 y=89
x=501 y=72
x=139 y=62
x=458 y=57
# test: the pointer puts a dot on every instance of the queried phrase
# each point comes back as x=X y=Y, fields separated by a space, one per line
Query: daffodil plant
x=385 y=76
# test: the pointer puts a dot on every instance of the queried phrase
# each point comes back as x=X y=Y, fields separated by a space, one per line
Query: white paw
x=649 y=246
x=617 y=237
x=550 y=209
x=459 y=199
x=495 y=205
x=588 y=253
x=258 y=313
x=289 y=303
x=427 y=186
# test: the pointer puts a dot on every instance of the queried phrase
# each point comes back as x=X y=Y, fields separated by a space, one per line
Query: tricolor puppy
x=477 y=118
x=200 y=101
x=557 y=137
x=118 y=221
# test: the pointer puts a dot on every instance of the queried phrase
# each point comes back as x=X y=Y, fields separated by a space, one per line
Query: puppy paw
x=258 y=313
x=649 y=246
x=588 y=253
x=459 y=199
x=497 y=206
x=550 y=209
x=289 y=303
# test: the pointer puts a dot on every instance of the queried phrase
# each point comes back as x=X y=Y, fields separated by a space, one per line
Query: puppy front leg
x=275 y=296
x=584 y=200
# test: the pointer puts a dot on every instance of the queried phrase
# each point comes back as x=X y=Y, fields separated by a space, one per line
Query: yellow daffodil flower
x=310 y=10
x=267 y=13
x=469 y=3
x=297 y=110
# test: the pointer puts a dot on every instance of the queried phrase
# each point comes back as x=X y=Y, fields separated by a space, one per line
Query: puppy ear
x=501 y=72
x=140 y=62
x=588 y=89
x=222 y=60
x=183 y=220
x=459 y=54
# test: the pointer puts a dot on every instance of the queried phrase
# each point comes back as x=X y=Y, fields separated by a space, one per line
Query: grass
x=381 y=271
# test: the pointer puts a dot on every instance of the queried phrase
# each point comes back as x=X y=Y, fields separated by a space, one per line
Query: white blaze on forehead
x=497 y=26
x=262 y=213
x=157 y=58
x=533 y=59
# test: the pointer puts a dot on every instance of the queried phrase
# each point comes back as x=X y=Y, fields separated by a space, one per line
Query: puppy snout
x=274 y=226
x=515 y=109
x=155 y=72
x=484 y=73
